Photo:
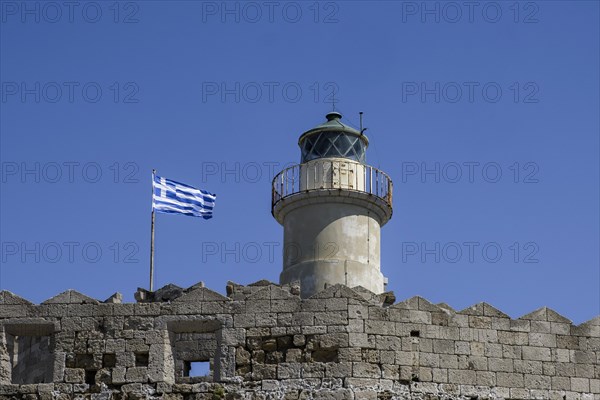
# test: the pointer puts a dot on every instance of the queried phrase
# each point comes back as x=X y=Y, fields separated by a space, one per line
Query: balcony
x=326 y=174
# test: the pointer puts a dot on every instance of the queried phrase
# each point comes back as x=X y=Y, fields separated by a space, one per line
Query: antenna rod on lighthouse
x=361 y=115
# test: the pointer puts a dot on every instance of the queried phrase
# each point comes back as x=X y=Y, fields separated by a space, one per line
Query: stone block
x=425 y=374
x=509 y=379
x=289 y=371
x=478 y=363
x=244 y=320
x=361 y=340
x=355 y=326
x=314 y=330
x=462 y=377
x=565 y=369
x=440 y=318
x=313 y=370
x=74 y=375
x=371 y=356
x=366 y=370
x=501 y=323
x=269 y=344
x=559 y=328
x=303 y=318
x=387 y=356
x=380 y=327
x=542 y=339
x=443 y=346
x=284 y=319
x=233 y=336
x=548 y=369
x=528 y=366
x=536 y=353
x=580 y=385
x=480 y=322
x=242 y=356
x=449 y=361
x=520 y=325
x=513 y=338
x=331 y=318
x=583 y=357
x=118 y=375
x=358 y=311
x=439 y=375
x=540 y=326
x=461 y=347
x=405 y=373
x=493 y=350
x=537 y=381
x=336 y=304
x=595 y=385
x=509 y=351
x=266 y=319
x=338 y=370
x=518 y=393
x=404 y=358
x=421 y=344
x=567 y=342
x=390 y=372
x=477 y=348
x=449 y=332
x=350 y=354
x=500 y=364
x=333 y=394
x=388 y=343
x=136 y=374
x=466 y=334
x=459 y=320
x=333 y=340
x=270 y=384
x=299 y=340
x=361 y=385
x=485 y=378
x=429 y=360
x=485 y=335
x=264 y=371
x=284 y=306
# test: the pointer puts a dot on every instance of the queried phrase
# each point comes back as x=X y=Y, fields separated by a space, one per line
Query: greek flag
x=178 y=198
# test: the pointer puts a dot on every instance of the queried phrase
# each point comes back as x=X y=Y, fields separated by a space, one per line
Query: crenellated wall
x=263 y=341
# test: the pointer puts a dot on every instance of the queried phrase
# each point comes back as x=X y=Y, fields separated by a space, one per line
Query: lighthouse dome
x=334 y=139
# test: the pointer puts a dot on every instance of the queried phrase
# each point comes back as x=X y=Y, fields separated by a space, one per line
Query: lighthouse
x=332 y=207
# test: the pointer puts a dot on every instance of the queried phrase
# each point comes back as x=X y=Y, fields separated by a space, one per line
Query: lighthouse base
x=332 y=237
x=315 y=276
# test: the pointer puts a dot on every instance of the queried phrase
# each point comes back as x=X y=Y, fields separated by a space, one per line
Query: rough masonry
x=262 y=341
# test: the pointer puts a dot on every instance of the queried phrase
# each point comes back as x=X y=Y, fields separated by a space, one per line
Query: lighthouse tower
x=332 y=207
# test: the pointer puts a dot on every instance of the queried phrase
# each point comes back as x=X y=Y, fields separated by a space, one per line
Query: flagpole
x=152 y=238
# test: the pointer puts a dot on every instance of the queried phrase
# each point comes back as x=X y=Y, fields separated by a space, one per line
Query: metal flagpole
x=152 y=238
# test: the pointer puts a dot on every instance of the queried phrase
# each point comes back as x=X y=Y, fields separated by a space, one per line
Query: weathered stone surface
x=9 y=298
x=70 y=297
x=545 y=314
x=263 y=342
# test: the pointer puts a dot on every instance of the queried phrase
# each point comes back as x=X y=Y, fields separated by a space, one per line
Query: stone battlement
x=263 y=341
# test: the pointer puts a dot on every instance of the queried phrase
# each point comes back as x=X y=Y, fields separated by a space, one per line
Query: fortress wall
x=263 y=341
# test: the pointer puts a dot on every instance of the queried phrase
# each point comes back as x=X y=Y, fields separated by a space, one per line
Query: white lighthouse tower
x=332 y=207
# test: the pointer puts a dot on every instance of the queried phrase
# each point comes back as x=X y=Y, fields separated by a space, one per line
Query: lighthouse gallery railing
x=334 y=174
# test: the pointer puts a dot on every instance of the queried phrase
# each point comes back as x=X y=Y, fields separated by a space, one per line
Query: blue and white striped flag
x=178 y=198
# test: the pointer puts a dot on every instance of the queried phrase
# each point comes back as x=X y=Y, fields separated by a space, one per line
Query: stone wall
x=264 y=341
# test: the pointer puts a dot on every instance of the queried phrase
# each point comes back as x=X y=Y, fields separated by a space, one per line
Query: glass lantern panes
x=333 y=144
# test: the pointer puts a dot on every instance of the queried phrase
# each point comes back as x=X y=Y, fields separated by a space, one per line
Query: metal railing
x=334 y=174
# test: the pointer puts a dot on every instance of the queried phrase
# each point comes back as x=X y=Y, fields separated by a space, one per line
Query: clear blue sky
x=217 y=98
